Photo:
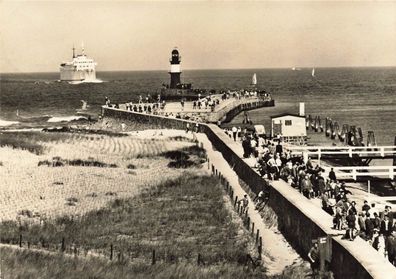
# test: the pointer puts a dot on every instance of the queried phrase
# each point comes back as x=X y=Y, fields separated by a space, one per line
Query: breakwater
x=299 y=220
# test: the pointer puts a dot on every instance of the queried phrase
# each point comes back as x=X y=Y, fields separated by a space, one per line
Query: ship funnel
x=302 y=109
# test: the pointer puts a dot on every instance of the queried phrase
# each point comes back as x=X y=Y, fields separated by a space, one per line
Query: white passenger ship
x=80 y=70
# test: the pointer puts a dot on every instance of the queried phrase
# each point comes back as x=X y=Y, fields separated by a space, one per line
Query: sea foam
x=5 y=123
x=65 y=118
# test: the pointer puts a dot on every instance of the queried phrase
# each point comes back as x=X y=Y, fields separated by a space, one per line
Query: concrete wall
x=232 y=112
x=299 y=219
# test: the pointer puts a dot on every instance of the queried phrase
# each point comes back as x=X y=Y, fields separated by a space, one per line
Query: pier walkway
x=219 y=111
x=365 y=254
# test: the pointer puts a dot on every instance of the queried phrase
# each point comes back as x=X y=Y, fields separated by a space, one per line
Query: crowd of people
x=371 y=223
x=194 y=111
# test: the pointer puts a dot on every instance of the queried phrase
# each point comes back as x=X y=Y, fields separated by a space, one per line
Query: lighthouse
x=175 y=69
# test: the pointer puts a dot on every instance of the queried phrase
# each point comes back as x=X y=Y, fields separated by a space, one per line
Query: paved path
x=277 y=253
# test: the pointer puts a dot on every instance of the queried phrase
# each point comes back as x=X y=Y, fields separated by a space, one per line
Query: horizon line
x=215 y=69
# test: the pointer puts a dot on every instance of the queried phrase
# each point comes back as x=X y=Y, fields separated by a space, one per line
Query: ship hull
x=71 y=74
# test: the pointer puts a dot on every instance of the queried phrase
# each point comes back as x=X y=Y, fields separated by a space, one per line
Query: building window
x=288 y=122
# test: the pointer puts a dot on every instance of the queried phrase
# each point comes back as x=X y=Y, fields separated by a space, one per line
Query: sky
x=36 y=36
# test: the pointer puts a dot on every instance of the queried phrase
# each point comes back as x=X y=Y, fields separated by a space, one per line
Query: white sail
x=84 y=105
x=313 y=72
x=254 y=79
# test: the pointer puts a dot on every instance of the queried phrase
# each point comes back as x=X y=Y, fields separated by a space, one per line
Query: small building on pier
x=290 y=127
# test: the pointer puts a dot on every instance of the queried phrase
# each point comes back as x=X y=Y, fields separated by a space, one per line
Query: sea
x=364 y=97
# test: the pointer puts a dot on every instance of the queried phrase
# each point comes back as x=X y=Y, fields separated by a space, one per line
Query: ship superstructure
x=80 y=69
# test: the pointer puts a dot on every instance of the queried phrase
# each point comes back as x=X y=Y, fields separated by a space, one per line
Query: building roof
x=287 y=114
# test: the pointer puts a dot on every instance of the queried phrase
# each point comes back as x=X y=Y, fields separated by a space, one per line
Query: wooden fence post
x=20 y=240
x=253 y=228
x=111 y=251
x=153 y=258
x=260 y=247
x=28 y=244
x=236 y=200
x=199 y=259
x=248 y=223
x=63 y=247
x=257 y=235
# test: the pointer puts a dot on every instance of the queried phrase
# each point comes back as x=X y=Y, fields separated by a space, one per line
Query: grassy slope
x=29 y=264
x=179 y=219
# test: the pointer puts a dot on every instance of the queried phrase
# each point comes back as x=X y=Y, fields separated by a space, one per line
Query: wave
x=66 y=118
x=34 y=118
x=86 y=81
x=5 y=123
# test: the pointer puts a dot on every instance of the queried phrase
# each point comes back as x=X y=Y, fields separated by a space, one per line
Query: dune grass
x=91 y=162
x=31 y=141
x=191 y=156
x=29 y=264
x=178 y=219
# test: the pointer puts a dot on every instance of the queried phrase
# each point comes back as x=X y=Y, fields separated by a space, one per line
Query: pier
x=300 y=220
x=223 y=110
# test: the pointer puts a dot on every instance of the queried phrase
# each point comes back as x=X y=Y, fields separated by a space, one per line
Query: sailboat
x=313 y=72
x=254 y=79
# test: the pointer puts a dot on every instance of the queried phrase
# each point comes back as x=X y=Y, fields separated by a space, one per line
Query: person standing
x=279 y=148
x=386 y=226
x=182 y=104
x=313 y=256
x=234 y=132
x=332 y=175
x=351 y=220
x=369 y=227
x=391 y=247
x=245 y=203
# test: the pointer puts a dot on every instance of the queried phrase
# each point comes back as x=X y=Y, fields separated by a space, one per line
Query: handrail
x=340 y=147
x=346 y=150
x=373 y=171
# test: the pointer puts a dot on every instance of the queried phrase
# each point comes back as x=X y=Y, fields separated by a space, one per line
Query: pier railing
x=353 y=173
x=333 y=151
